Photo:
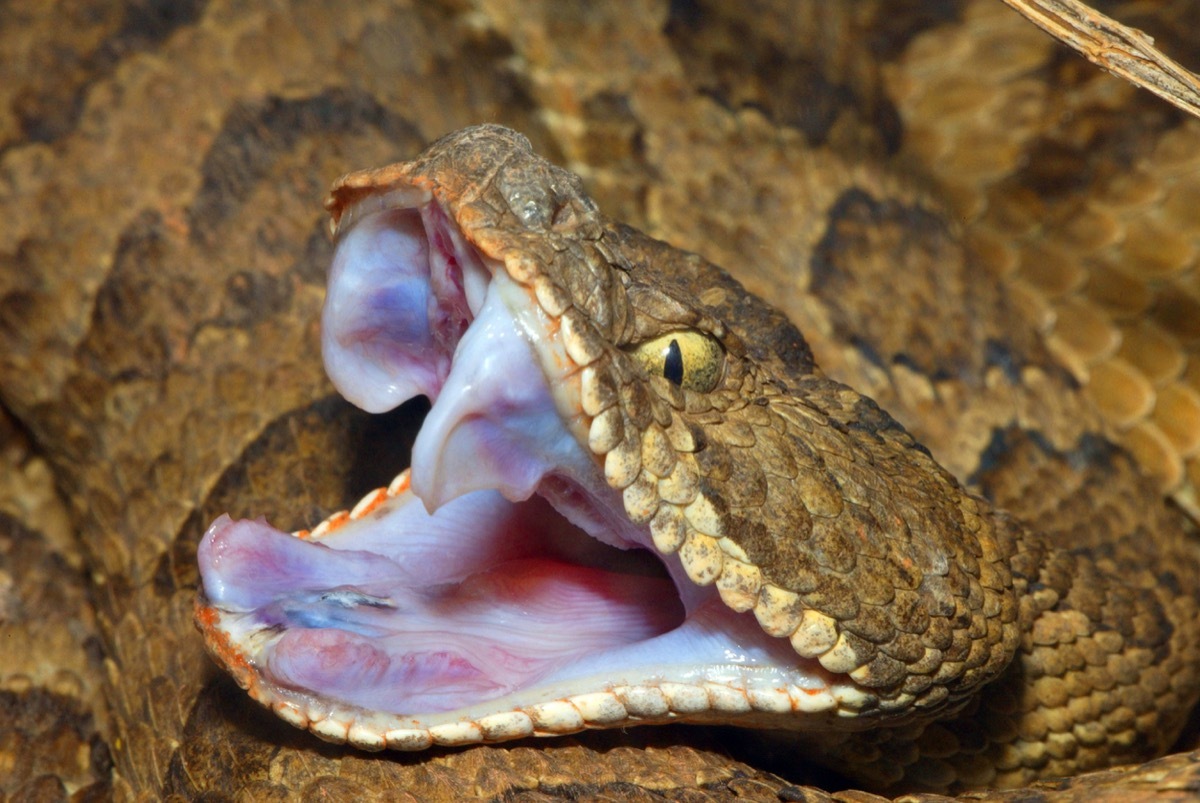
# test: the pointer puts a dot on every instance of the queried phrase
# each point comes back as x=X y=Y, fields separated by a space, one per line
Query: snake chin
x=496 y=590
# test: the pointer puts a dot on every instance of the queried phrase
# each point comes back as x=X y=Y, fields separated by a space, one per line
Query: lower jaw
x=703 y=664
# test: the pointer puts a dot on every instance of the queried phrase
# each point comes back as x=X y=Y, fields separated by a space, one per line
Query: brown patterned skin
x=162 y=258
x=803 y=502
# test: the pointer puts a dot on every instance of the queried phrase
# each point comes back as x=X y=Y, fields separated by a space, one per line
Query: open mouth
x=498 y=589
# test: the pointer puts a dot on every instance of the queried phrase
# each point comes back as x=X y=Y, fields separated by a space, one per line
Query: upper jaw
x=413 y=309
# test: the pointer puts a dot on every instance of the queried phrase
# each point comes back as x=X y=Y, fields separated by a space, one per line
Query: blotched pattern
x=162 y=250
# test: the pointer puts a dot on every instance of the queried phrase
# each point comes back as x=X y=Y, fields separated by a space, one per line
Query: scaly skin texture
x=162 y=268
x=802 y=502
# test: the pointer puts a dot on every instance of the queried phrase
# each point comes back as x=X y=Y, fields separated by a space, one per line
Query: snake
x=160 y=324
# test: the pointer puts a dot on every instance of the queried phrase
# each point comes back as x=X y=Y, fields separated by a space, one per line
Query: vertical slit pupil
x=673 y=363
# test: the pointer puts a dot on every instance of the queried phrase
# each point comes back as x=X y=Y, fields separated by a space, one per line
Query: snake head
x=634 y=498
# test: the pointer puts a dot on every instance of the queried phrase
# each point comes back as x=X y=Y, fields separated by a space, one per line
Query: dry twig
x=1121 y=50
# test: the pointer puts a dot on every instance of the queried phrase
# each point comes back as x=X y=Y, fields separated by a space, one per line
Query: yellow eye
x=690 y=359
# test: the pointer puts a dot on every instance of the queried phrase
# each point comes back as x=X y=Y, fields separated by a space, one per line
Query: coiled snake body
x=166 y=385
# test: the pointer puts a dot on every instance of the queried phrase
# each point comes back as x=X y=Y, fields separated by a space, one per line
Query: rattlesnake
x=152 y=435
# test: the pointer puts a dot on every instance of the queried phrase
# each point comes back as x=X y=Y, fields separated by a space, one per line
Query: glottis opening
x=501 y=577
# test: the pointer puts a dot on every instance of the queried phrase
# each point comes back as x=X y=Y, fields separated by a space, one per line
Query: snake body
x=159 y=306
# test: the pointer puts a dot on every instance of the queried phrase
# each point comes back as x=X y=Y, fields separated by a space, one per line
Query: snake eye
x=687 y=358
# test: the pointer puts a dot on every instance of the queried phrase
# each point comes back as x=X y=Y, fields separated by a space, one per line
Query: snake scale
x=164 y=264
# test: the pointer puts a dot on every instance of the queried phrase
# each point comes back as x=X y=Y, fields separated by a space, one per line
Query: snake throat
x=499 y=589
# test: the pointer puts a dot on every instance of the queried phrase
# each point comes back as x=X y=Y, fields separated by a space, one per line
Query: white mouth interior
x=508 y=574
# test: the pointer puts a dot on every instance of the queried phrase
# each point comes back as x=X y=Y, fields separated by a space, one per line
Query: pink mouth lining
x=515 y=574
